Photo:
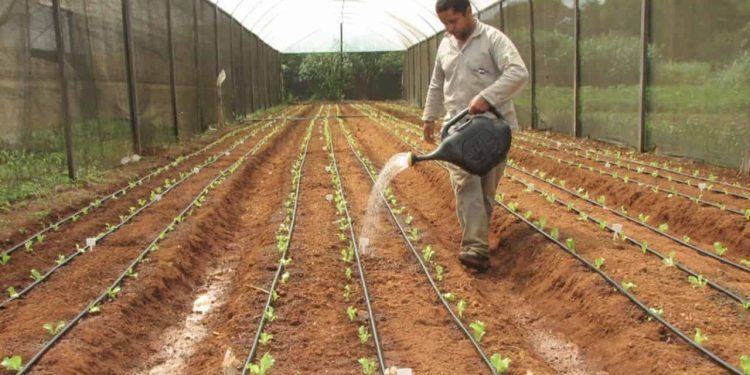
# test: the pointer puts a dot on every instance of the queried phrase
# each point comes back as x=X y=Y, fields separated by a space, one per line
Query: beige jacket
x=488 y=65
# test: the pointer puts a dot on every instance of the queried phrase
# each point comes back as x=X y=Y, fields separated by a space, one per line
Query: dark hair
x=456 y=5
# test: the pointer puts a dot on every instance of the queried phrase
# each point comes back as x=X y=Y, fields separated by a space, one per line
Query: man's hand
x=478 y=105
x=428 y=127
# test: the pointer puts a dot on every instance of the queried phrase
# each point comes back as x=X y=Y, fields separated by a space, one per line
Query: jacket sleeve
x=434 y=102
x=513 y=73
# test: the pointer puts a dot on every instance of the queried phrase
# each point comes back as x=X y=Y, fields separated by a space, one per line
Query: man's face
x=458 y=24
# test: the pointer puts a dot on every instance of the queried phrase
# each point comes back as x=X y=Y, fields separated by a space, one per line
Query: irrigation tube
x=619 y=288
x=445 y=303
x=97 y=203
x=638 y=222
x=353 y=238
x=641 y=163
x=209 y=161
x=281 y=267
x=626 y=166
x=633 y=241
x=220 y=177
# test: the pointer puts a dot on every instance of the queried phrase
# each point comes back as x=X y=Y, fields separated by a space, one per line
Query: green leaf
x=266 y=363
x=14 y=363
x=363 y=334
x=570 y=244
x=12 y=292
x=439 y=272
x=369 y=367
x=351 y=312
x=477 y=328
x=460 y=308
x=427 y=253
x=450 y=297
x=669 y=261
x=700 y=338
x=663 y=227
x=4 y=259
x=265 y=338
x=598 y=263
x=698 y=282
x=555 y=233
x=627 y=285
x=745 y=364
x=269 y=314
x=720 y=249
x=36 y=275
x=54 y=328
x=500 y=364
x=348 y=273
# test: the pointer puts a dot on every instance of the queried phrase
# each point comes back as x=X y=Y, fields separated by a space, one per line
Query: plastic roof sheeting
x=299 y=26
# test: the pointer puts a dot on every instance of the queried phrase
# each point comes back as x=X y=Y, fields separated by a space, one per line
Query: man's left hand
x=478 y=105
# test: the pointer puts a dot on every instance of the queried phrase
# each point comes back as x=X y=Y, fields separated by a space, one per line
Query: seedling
x=351 y=312
x=369 y=367
x=700 y=338
x=720 y=249
x=12 y=292
x=265 y=338
x=555 y=233
x=14 y=363
x=460 y=308
x=499 y=363
x=40 y=238
x=602 y=200
x=36 y=275
x=658 y=312
x=408 y=220
x=697 y=281
x=541 y=223
x=54 y=328
x=413 y=235
x=348 y=273
x=686 y=238
x=745 y=262
x=95 y=309
x=285 y=277
x=347 y=292
x=598 y=263
x=263 y=366
x=450 y=297
x=628 y=286
x=132 y=274
x=29 y=246
x=527 y=215
x=478 y=330
x=269 y=314
x=570 y=244
x=439 y=272
x=745 y=364
x=4 y=259
x=363 y=334
x=669 y=261
x=643 y=218
x=513 y=206
x=663 y=227
x=113 y=292
x=644 y=247
x=427 y=253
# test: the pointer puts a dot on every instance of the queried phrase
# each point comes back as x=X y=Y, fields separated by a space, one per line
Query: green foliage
x=499 y=363
x=369 y=366
x=54 y=328
x=700 y=337
x=14 y=363
x=263 y=366
x=477 y=328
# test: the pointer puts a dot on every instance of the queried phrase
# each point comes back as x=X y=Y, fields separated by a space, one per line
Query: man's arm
x=514 y=74
x=434 y=101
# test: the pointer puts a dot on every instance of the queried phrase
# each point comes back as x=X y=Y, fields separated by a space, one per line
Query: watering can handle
x=449 y=124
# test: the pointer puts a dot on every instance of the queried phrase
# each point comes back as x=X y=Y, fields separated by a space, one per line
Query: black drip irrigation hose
x=209 y=161
x=633 y=241
x=151 y=247
x=99 y=201
x=360 y=268
x=618 y=287
x=426 y=272
x=633 y=180
x=619 y=164
x=638 y=222
x=644 y=164
x=281 y=267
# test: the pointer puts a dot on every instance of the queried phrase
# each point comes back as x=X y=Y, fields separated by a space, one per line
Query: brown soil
x=541 y=308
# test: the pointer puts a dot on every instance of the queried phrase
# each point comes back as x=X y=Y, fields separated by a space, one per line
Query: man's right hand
x=428 y=127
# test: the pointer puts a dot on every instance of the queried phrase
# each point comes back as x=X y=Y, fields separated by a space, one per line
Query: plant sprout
x=745 y=364
x=643 y=218
x=570 y=244
x=4 y=259
x=265 y=338
x=363 y=334
x=369 y=367
x=527 y=215
x=351 y=312
x=500 y=364
x=348 y=273
x=663 y=227
x=460 y=308
x=36 y=275
x=450 y=297
x=439 y=272
x=427 y=253
x=347 y=292
x=269 y=314
x=14 y=363
x=285 y=277
x=478 y=330
x=54 y=328
x=669 y=261
x=513 y=206
x=700 y=338
x=697 y=281
x=745 y=262
x=720 y=249
x=628 y=286
x=264 y=364
x=408 y=220
x=555 y=233
x=413 y=235
x=113 y=292
x=598 y=263
x=29 y=245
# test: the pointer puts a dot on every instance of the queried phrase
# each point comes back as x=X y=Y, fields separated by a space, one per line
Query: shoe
x=473 y=260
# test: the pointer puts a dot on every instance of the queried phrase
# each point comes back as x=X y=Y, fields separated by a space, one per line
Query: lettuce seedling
x=555 y=233
x=500 y=364
x=663 y=227
x=347 y=292
x=439 y=272
x=12 y=292
x=720 y=249
x=263 y=366
x=363 y=334
x=745 y=364
x=265 y=338
x=54 y=328
x=450 y=297
x=460 y=308
x=36 y=275
x=427 y=253
x=369 y=367
x=14 y=363
x=269 y=314
x=4 y=259
x=570 y=244
x=598 y=263
x=698 y=282
x=628 y=286
x=669 y=261
x=700 y=338
x=351 y=312
x=478 y=330
x=348 y=273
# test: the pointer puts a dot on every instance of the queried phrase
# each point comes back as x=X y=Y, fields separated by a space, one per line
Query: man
x=476 y=66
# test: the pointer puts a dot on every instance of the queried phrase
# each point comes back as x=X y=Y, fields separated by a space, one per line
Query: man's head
x=457 y=17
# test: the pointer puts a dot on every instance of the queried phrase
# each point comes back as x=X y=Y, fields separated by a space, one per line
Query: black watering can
x=478 y=144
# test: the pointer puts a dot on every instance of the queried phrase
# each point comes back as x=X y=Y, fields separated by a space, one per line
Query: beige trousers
x=475 y=197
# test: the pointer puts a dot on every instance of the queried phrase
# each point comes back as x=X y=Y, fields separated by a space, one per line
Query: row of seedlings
x=284 y=237
x=496 y=363
x=351 y=257
x=39 y=236
x=665 y=166
x=60 y=328
x=619 y=163
x=626 y=288
x=155 y=196
x=720 y=248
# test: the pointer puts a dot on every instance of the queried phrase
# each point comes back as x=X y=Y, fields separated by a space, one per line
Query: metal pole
x=576 y=71
x=534 y=119
x=502 y=16
x=64 y=101
x=132 y=92
x=172 y=78
x=196 y=44
x=244 y=71
x=233 y=67
x=216 y=36
x=645 y=36
x=341 y=57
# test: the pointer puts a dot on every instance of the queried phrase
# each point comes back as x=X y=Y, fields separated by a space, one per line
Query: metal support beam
x=233 y=68
x=64 y=100
x=172 y=77
x=196 y=45
x=532 y=69
x=135 y=118
x=576 y=70
x=645 y=37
